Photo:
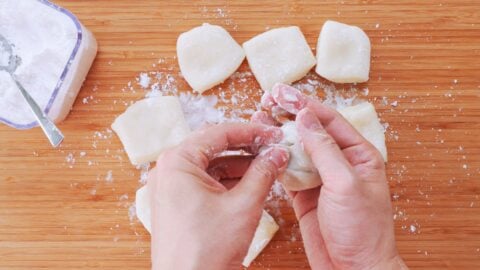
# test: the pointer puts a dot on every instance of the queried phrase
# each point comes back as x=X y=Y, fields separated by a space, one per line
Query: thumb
x=336 y=172
x=259 y=177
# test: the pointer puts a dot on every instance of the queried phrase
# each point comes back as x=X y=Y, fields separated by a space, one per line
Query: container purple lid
x=65 y=71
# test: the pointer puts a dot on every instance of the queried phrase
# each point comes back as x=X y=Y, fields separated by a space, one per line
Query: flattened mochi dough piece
x=301 y=174
x=207 y=55
x=143 y=207
x=280 y=55
x=343 y=53
x=364 y=118
x=149 y=126
x=266 y=229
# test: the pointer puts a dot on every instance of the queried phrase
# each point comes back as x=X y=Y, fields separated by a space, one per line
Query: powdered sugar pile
x=44 y=44
x=200 y=110
x=234 y=100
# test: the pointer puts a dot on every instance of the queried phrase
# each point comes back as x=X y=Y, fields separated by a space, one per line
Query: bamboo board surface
x=59 y=209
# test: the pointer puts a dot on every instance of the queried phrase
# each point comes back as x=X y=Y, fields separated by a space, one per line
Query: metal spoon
x=53 y=134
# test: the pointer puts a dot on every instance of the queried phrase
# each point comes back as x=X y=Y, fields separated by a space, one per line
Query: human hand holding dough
x=165 y=126
x=347 y=222
x=301 y=173
x=197 y=221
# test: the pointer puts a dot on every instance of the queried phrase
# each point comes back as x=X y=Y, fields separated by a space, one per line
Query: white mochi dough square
x=149 y=126
x=143 y=207
x=207 y=55
x=301 y=174
x=364 y=118
x=266 y=229
x=343 y=53
x=280 y=55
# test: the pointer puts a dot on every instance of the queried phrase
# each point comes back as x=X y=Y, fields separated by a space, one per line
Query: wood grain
x=60 y=214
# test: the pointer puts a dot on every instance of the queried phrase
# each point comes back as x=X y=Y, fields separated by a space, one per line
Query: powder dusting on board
x=238 y=97
x=232 y=101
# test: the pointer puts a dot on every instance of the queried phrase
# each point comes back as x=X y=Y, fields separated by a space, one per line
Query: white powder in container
x=56 y=53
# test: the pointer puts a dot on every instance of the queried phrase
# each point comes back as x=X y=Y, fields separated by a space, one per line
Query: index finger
x=292 y=100
x=203 y=145
x=356 y=148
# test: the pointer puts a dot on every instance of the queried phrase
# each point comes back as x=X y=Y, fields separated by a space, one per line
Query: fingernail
x=288 y=98
x=276 y=91
x=278 y=156
x=309 y=120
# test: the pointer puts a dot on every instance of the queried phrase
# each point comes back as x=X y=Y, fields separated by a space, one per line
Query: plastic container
x=53 y=76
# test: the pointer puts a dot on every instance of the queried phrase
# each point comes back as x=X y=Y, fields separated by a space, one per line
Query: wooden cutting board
x=60 y=209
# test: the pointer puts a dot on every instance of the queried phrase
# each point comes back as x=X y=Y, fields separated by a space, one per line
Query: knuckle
x=165 y=158
x=322 y=142
x=373 y=156
x=377 y=160
x=326 y=139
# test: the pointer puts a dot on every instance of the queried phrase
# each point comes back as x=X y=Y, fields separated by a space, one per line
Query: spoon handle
x=53 y=134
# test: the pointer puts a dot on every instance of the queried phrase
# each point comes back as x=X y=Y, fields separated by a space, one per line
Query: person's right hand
x=347 y=222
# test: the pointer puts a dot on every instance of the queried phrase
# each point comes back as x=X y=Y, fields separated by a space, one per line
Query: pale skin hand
x=347 y=222
x=199 y=221
x=345 y=225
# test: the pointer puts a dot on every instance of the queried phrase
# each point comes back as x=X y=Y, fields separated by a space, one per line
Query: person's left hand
x=198 y=222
